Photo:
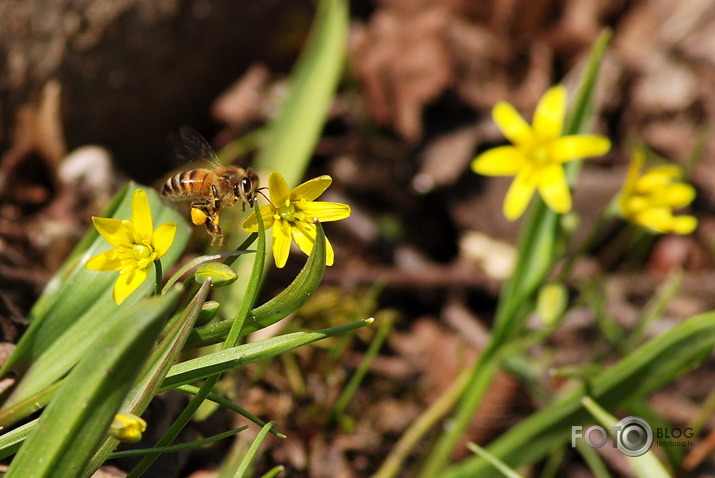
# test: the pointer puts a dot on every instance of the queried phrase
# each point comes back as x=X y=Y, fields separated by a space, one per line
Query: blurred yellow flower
x=292 y=214
x=136 y=246
x=127 y=428
x=538 y=153
x=649 y=199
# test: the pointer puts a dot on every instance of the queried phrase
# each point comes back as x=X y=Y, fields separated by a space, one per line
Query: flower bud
x=127 y=428
x=208 y=311
x=220 y=274
x=551 y=302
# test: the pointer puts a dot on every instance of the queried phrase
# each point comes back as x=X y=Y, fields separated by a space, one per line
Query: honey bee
x=208 y=190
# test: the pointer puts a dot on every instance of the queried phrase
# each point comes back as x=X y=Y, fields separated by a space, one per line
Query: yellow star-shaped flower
x=649 y=199
x=136 y=246
x=292 y=214
x=538 y=153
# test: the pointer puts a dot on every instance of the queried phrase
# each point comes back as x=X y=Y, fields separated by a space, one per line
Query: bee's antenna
x=260 y=191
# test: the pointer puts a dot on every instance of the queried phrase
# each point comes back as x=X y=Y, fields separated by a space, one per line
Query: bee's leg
x=204 y=214
x=216 y=198
x=212 y=225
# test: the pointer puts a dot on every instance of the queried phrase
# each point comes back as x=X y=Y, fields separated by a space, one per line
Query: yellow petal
x=677 y=195
x=549 y=115
x=106 y=261
x=281 y=243
x=114 y=231
x=141 y=216
x=635 y=204
x=579 y=146
x=251 y=225
x=500 y=161
x=512 y=124
x=278 y=189
x=554 y=189
x=684 y=224
x=518 y=196
x=304 y=235
x=657 y=178
x=128 y=282
x=310 y=190
x=325 y=211
x=657 y=219
x=329 y=253
x=163 y=238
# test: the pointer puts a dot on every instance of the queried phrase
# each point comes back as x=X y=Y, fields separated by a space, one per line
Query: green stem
x=203 y=392
x=159 y=275
x=174 y=448
x=228 y=255
x=254 y=284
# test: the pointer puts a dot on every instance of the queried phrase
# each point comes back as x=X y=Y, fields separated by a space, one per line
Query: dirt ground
x=102 y=83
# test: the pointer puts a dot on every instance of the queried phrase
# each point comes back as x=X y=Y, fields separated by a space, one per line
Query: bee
x=208 y=190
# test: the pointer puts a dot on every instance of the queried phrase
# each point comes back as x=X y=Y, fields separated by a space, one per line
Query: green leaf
x=645 y=466
x=10 y=442
x=202 y=367
x=285 y=303
x=658 y=362
x=174 y=448
x=498 y=464
x=157 y=365
x=537 y=248
x=243 y=466
x=292 y=137
x=225 y=402
x=80 y=307
x=77 y=419
x=190 y=409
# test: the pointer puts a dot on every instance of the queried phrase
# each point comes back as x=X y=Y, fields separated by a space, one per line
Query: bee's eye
x=246 y=184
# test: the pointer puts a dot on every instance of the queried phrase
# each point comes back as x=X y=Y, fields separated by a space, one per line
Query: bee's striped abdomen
x=185 y=185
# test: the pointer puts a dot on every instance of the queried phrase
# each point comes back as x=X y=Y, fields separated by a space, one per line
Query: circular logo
x=635 y=436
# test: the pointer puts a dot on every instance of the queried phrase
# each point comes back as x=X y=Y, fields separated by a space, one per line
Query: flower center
x=141 y=252
x=540 y=155
x=287 y=212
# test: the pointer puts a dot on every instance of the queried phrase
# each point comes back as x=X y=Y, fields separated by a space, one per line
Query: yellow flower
x=136 y=246
x=538 y=154
x=649 y=199
x=127 y=428
x=292 y=215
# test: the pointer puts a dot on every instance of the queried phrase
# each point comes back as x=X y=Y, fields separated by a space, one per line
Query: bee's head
x=245 y=188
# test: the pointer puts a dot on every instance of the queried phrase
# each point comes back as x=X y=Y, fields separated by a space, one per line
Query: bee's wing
x=188 y=145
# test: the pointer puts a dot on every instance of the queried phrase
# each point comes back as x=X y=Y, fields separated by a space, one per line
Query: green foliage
x=86 y=358
x=76 y=420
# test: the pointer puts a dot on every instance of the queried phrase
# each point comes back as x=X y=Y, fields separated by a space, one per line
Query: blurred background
x=89 y=91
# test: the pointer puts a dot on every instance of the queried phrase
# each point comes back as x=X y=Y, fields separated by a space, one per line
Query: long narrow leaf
x=67 y=434
x=536 y=255
x=152 y=374
x=55 y=341
x=291 y=139
x=198 y=368
x=646 y=465
x=645 y=370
